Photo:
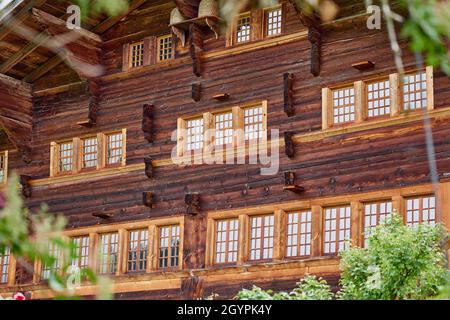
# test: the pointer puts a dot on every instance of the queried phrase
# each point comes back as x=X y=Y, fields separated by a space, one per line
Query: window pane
x=90 y=152
x=114 y=148
x=109 y=253
x=378 y=98
x=415 y=91
x=2 y=167
x=227 y=237
x=194 y=134
x=165 y=51
x=298 y=242
x=261 y=237
x=137 y=54
x=421 y=210
x=224 y=128
x=243 y=29
x=47 y=270
x=137 y=250
x=81 y=247
x=273 y=22
x=4 y=266
x=253 y=123
x=336 y=229
x=169 y=247
x=374 y=214
x=344 y=105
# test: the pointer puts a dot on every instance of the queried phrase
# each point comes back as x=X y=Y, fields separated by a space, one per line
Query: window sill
x=403 y=118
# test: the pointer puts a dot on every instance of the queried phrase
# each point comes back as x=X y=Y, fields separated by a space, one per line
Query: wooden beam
x=24 y=52
x=111 y=21
x=13 y=21
x=46 y=67
x=288 y=79
x=188 y=8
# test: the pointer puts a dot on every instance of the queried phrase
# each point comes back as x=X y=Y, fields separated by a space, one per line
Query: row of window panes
x=137 y=251
x=336 y=229
x=164 y=51
x=253 y=128
x=3 y=164
x=272 y=25
x=89 y=150
x=379 y=99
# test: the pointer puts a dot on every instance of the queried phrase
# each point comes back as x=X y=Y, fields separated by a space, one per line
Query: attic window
x=273 y=20
x=243 y=28
x=137 y=54
x=165 y=50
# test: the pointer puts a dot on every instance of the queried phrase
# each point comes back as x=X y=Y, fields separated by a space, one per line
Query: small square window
x=344 y=105
x=243 y=28
x=378 y=98
x=165 y=49
x=224 y=128
x=273 y=21
x=415 y=91
x=137 y=54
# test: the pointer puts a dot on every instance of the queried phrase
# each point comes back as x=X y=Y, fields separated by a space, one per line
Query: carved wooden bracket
x=92 y=89
x=363 y=65
x=289 y=183
x=221 y=96
x=289 y=146
x=192 y=202
x=315 y=38
x=196 y=91
x=103 y=214
x=26 y=186
x=147 y=122
x=288 y=94
x=196 y=48
x=148 y=167
x=147 y=198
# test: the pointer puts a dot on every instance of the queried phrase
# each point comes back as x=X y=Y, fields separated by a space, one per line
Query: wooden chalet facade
x=97 y=146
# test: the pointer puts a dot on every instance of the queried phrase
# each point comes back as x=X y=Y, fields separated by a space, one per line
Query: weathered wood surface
x=377 y=159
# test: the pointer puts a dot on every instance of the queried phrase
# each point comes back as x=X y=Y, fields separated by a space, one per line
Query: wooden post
x=396 y=96
x=152 y=259
x=288 y=79
x=327 y=108
x=356 y=227
x=316 y=231
x=93 y=248
x=53 y=159
x=101 y=145
x=430 y=88
x=398 y=205
x=279 y=235
x=244 y=225
x=210 y=248
x=123 y=254
x=360 y=101
x=196 y=91
x=289 y=146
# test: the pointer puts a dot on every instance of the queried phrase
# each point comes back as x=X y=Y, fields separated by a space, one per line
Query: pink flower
x=19 y=296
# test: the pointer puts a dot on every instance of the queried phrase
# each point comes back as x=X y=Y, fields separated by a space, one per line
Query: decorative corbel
x=196 y=92
x=288 y=94
x=148 y=167
x=196 y=48
x=147 y=199
x=192 y=202
x=147 y=122
x=26 y=186
x=103 y=214
x=289 y=183
x=92 y=89
x=289 y=146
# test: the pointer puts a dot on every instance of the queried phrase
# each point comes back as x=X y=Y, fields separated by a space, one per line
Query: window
x=243 y=28
x=65 y=157
x=3 y=166
x=114 y=148
x=137 y=250
x=415 y=91
x=137 y=54
x=90 y=152
x=273 y=20
x=169 y=247
x=224 y=128
x=261 y=237
x=194 y=134
x=227 y=235
x=4 y=266
x=298 y=242
x=337 y=229
x=253 y=123
x=165 y=51
x=344 y=105
x=109 y=253
x=374 y=214
x=421 y=210
x=378 y=98
x=81 y=247
x=55 y=267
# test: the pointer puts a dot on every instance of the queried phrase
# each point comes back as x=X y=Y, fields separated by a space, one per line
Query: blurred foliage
x=28 y=237
x=401 y=262
x=309 y=288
